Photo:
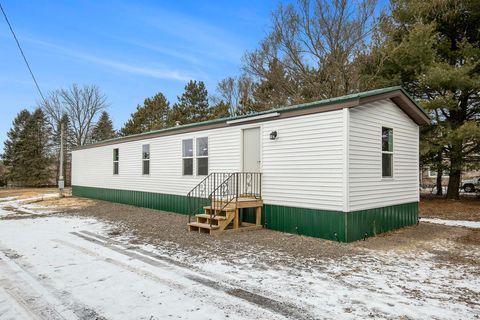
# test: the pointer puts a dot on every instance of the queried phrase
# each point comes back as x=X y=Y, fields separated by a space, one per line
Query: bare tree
x=54 y=110
x=81 y=105
x=316 y=42
x=236 y=92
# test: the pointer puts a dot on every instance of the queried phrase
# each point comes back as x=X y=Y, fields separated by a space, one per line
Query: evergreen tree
x=27 y=150
x=103 y=129
x=275 y=90
x=151 y=116
x=220 y=110
x=432 y=48
x=36 y=156
x=13 y=146
x=192 y=106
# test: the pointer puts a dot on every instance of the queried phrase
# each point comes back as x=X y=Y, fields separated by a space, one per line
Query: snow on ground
x=50 y=271
x=453 y=223
x=13 y=206
x=383 y=285
x=68 y=268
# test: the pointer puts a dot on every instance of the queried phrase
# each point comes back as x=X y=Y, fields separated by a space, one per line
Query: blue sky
x=130 y=49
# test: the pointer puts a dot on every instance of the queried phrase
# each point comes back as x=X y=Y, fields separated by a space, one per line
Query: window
x=387 y=152
x=115 y=160
x=146 y=159
x=187 y=157
x=202 y=156
x=432 y=173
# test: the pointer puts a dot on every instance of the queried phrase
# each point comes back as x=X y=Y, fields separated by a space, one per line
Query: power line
x=23 y=54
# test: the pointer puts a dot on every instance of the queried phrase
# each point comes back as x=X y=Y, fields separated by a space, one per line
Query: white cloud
x=154 y=72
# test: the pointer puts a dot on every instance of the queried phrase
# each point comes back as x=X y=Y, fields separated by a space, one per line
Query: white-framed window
x=202 y=156
x=187 y=157
x=432 y=173
x=146 y=159
x=116 y=157
x=387 y=152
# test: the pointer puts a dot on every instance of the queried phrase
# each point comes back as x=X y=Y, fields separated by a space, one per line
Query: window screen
x=146 y=159
x=187 y=157
x=202 y=156
x=116 y=157
x=387 y=152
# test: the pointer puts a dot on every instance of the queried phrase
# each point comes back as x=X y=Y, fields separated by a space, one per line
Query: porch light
x=273 y=135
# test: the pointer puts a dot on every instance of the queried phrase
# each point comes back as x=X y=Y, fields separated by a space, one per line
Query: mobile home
x=339 y=169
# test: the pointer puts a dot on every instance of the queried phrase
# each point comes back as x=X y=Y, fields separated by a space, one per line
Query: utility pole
x=61 y=182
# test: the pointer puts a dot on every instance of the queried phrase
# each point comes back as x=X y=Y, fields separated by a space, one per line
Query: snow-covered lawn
x=70 y=268
x=453 y=223
x=14 y=206
x=48 y=270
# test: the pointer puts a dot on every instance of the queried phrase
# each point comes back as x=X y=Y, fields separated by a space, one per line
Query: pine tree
x=103 y=129
x=275 y=90
x=36 y=156
x=14 y=145
x=26 y=151
x=192 y=106
x=151 y=116
x=220 y=110
x=432 y=49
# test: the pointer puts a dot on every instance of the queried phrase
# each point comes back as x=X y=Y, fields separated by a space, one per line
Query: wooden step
x=207 y=216
x=227 y=208
x=203 y=225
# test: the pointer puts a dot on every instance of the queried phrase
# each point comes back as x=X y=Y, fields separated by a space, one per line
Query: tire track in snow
x=81 y=310
x=218 y=301
x=28 y=298
x=122 y=265
x=278 y=307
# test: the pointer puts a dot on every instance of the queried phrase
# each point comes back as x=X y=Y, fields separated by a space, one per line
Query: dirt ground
x=143 y=225
x=23 y=193
x=463 y=209
x=422 y=271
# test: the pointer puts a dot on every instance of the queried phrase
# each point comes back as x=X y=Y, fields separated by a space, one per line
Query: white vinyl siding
x=367 y=188
x=330 y=160
x=301 y=168
x=92 y=167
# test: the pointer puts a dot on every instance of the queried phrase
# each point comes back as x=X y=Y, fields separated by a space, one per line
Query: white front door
x=251 y=150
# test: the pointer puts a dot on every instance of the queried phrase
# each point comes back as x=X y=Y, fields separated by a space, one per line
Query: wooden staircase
x=227 y=196
x=215 y=222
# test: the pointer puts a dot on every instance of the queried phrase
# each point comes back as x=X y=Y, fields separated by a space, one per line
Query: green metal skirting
x=309 y=222
x=158 y=201
x=326 y=224
x=379 y=220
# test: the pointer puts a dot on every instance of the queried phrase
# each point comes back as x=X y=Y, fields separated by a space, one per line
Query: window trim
x=116 y=160
x=433 y=173
x=188 y=157
x=391 y=177
x=202 y=157
x=145 y=159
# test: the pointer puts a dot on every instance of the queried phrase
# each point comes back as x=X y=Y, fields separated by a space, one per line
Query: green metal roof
x=324 y=102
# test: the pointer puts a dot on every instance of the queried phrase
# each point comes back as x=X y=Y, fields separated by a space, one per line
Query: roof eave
x=396 y=94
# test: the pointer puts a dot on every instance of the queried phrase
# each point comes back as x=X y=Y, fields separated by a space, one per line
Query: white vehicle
x=471 y=185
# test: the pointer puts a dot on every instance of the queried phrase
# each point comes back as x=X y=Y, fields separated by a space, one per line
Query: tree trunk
x=439 y=181
x=456 y=163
